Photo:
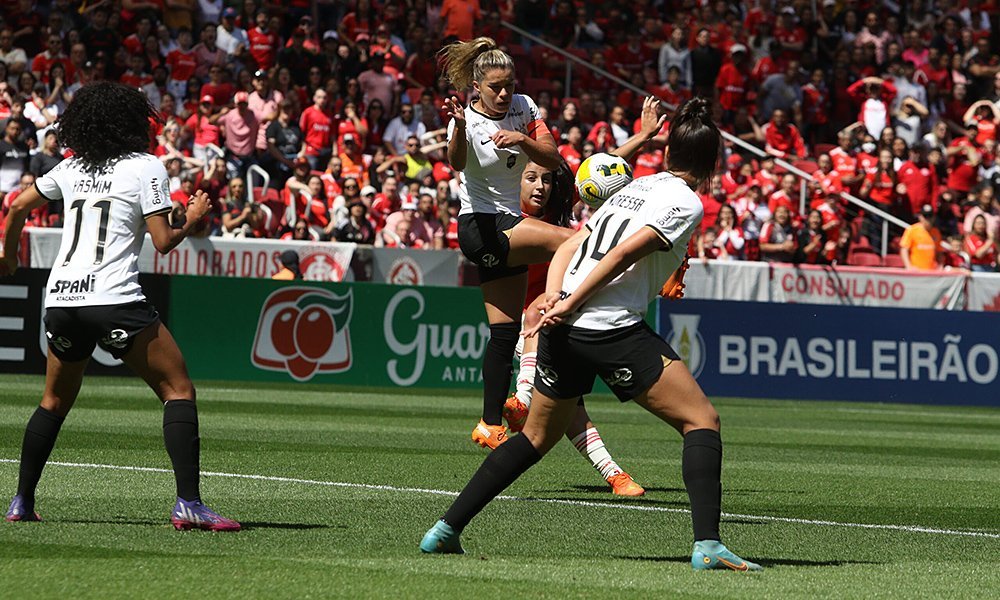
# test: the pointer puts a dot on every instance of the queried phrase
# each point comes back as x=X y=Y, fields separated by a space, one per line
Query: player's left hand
x=651 y=121
x=8 y=265
x=198 y=206
x=551 y=317
x=506 y=139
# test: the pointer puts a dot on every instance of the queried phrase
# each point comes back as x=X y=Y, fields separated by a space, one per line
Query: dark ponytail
x=694 y=140
x=562 y=197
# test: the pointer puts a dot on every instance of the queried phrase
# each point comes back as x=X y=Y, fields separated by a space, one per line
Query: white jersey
x=491 y=180
x=662 y=202
x=103 y=227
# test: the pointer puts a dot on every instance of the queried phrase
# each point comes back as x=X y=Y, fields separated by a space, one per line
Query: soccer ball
x=600 y=177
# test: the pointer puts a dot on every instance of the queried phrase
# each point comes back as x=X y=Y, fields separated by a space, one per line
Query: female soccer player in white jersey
x=113 y=192
x=490 y=142
x=598 y=289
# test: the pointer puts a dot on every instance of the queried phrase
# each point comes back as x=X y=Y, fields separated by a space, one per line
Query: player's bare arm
x=617 y=261
x=166 y=238
x=542 y=151
x=22 y=206
x=650 y=123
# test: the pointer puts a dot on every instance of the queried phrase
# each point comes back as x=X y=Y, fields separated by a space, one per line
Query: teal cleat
x=441 y=539
x=711 y=554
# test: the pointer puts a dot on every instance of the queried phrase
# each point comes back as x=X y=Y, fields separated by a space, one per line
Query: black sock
x=498 y=367
x=180 y=436
x=39 y=438
x=499 y=470
x=702 y=469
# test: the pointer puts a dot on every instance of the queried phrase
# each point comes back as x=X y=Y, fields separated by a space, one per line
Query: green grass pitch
x=799 y=479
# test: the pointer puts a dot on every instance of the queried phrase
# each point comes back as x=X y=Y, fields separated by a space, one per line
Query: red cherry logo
x=283 y=331
x=314 y=332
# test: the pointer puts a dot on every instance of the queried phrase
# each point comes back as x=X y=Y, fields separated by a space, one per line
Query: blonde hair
x=466 y=62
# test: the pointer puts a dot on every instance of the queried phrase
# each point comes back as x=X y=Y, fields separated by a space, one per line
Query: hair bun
x=695 y=108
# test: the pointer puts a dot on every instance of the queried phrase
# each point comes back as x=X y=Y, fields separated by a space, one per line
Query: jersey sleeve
x=672 y=220
x=48 y=187
x=154 y=188
x=534 y=124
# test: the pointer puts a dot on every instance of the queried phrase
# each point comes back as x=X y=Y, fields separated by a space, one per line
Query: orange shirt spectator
x=460 y=16
x=920 y=247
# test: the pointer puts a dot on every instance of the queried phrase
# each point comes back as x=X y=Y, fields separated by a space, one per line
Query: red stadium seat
x=892 y=260
x=864 y=259
x=823 y=149
x=809 y=166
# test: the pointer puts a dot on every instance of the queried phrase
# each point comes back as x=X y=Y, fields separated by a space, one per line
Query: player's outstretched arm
x=649 y=125
x=20 y=208
x=165 y=238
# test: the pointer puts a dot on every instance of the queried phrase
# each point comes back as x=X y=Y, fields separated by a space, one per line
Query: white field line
x=584 y=503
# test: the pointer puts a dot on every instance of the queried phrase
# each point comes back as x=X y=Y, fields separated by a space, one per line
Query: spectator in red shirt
x=781 y=138
x=263 y=42
x=205 y=130
x=217 y=87
x=41 y=64
x=789 y=34
x=317 y=126
x=965 y=158
x=985 y=115
x=815 y=108
x=918 y=179
x=827 y=179
x=981 y=247
x=572 y=148
x=729 y=240
x=733 y=83
x=182 y=63
x=787 y=196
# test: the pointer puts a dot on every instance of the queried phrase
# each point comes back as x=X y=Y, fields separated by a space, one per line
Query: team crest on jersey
x=304 y=331
x=511 y=161
x=685 y=339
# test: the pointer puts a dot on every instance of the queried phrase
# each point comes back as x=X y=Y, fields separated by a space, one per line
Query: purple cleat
x=17 y=512
x=195 y=515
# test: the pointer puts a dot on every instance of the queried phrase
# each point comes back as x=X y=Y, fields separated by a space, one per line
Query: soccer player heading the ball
x=597 y=293
x=490 y=141
x=114 y=191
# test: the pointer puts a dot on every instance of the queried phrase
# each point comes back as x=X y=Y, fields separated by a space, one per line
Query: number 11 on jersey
x=103 y=205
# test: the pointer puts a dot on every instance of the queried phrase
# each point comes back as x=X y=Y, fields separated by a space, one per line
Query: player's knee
x=531 y=318
x=177 y=389
x=55 y=404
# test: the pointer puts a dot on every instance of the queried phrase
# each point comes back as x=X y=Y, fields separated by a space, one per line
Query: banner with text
x=984 y=292
x=319 y=261
x=836 y=353
x=414 y=267
x=811 y=284
x=353 y=334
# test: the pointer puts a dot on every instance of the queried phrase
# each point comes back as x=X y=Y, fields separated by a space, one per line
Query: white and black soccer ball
x=601 y=176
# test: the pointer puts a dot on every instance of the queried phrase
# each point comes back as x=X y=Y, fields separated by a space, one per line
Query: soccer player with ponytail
x=490 y=141
x=597 y=293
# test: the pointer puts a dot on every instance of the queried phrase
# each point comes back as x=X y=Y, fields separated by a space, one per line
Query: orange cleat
x=623 y=485
x=489 y=436
x=516 y=413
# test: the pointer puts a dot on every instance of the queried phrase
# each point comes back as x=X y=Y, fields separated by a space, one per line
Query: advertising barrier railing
x=378 y=335
x=319 y=261
x=836 y=353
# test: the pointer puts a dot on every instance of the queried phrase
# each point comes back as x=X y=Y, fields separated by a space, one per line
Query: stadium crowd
x=341 y=105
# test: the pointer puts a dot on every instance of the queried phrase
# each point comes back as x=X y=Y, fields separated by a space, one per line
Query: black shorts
x=629 y=360
x=485 y=240
x=73 y=331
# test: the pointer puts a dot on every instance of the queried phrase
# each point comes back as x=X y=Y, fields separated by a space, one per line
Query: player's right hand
x=198 y=206
x=455 y=110
x=651 y=121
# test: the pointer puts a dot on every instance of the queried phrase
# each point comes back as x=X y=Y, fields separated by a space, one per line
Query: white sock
x=591 y=446
x=526 y=378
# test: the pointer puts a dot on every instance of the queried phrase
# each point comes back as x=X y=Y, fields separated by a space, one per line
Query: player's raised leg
x=62 y=385
x=678 y=399
x=156 y=358
x=588 y=442
x=546 y=424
